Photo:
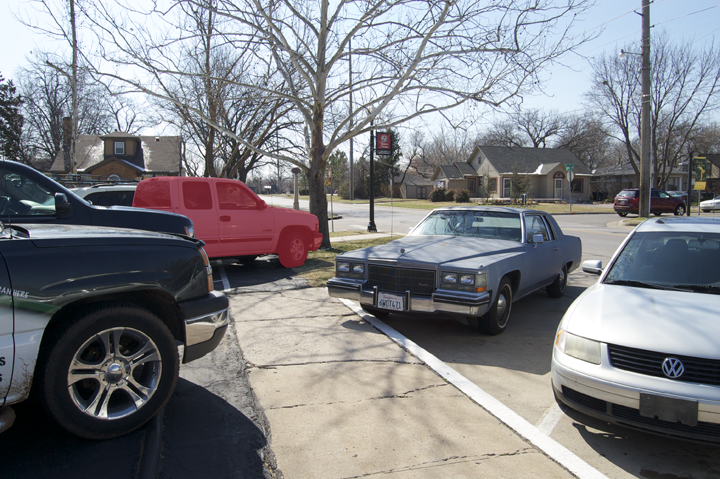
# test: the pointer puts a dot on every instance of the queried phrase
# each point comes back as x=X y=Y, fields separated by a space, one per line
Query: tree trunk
x=318 y=200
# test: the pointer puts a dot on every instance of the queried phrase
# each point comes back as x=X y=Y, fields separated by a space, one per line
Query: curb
x=152 y=447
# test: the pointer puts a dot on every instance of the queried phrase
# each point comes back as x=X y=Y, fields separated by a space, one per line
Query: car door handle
x=224 y=218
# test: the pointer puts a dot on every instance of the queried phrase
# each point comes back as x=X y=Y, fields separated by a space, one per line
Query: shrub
x=304 y=192
x=450 y=195
x=462 y=196
x=437 y=195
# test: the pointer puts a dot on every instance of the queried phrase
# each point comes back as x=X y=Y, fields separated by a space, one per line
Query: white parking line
x=550 y=419
x=552 y=448
x=223 y=276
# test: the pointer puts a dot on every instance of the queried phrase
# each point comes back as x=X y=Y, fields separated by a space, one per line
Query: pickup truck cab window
x=25 y=196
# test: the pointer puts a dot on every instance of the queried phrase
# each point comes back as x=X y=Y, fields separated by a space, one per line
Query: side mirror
x=538 y=238
x=592 y=266
x=263 y=205
x=63 y=208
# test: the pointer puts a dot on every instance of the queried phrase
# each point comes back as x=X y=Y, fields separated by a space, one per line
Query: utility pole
x=645 y=165
x=352 y=170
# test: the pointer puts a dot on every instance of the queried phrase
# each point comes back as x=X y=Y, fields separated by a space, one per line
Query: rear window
x=196 y=195
x=628 y=193
x=152 y=194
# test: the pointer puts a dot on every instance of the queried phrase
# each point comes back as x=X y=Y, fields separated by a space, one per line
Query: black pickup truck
x=35 y=198
x=91 y=319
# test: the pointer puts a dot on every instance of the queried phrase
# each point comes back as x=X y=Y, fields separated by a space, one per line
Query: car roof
x=502 y=209
x=680 y=224
x=104 y=187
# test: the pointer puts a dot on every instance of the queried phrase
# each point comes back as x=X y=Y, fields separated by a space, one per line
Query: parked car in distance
x=35 y=198
x=628 y=201
x=710 y=205
x=107 y=194
x=231 y=219
x=679 y=194
x=470 y=262
x=641 y=347
x=92 y=317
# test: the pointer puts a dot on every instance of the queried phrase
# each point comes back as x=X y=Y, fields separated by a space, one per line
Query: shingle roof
x=416 y=180
x=507 y=159
x=158 y=153
x=466 y=169
x=621 y=169
x=451 y=172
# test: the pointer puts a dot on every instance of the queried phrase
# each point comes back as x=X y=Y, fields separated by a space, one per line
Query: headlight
x=347 y=269
x=449 y=278
x=578 y=347
x=467 y=279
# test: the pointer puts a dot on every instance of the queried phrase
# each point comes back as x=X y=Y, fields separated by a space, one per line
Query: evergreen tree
x=11 y=121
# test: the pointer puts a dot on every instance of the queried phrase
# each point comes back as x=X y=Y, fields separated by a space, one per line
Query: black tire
x=658 y=213
x=558 y=287
x=125 y=364
x=378 y=313
x=495 y=321
x=622 y=213
x=293 y=249
x=680 y=210
x=706 y=211
x=246 y=259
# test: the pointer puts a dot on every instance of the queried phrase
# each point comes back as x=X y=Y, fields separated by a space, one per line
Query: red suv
x=628 y=201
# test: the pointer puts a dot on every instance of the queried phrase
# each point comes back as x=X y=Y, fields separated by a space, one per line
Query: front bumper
x=316 y=241
x=206 y=320
x=454 y=302
x=613 y=395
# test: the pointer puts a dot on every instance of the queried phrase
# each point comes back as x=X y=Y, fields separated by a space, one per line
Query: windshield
x=686 y=261
x=478 y=224
x=628 y=194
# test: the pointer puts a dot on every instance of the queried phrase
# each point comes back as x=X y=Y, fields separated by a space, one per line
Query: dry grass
x=320 y=265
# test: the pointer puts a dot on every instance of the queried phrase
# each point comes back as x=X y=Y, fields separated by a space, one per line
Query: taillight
x=208 y=269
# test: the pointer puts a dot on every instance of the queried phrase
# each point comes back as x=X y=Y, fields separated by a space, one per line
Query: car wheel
x=107 y=371
x=680 y=210
x=557 y=288
x=622 y=213
x=293 y=249
x=657 y=213
x=495 y=321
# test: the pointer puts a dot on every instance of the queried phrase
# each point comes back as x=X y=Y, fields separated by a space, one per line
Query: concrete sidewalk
x=341 y=399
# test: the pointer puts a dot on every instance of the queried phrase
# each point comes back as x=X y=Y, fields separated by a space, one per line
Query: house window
x=492 y=185
x=576 y=186
x=471 y=185
x=119 y=147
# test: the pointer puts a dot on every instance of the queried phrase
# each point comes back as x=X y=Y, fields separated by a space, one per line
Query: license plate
x=669 y=409
x=392 y=302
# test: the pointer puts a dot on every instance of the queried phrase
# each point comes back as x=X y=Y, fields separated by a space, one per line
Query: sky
x=618 y=25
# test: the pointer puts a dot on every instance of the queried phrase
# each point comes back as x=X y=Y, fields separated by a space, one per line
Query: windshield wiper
x=700 y=288
x=642 y=284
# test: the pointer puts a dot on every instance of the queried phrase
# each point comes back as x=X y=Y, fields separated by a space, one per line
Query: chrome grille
x=399 y=280
x=697 y=370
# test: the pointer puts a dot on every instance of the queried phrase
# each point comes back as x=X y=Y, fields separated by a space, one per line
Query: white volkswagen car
x=710 y=205
x=641 y=347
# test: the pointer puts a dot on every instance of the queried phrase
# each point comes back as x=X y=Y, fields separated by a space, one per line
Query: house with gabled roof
x=127 y=156
x=547 y=170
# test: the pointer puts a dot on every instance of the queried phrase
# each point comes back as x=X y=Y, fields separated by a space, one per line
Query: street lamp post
x=371 y=225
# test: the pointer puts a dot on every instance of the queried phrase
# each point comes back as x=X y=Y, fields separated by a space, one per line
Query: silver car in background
x=641 y=347
x=468 y=261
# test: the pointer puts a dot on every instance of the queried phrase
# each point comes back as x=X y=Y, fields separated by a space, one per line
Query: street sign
x=570 y=175
x=383 y=144
x=569 y=167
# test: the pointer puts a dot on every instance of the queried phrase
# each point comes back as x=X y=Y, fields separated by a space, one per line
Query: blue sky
x=696 y=20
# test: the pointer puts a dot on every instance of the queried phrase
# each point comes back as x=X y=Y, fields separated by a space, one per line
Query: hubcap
x=296 y=249
x=114 y=373
x=503 y=307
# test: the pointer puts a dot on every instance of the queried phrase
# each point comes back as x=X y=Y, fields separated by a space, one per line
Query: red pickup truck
x=231 y=219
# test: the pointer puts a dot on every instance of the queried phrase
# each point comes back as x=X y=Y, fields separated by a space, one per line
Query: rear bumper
x=206 y=320
x=454 y=302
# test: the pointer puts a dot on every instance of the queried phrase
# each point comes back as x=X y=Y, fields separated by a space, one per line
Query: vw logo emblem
x=673 y=368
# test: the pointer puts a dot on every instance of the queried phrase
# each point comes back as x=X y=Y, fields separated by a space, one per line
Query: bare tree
x=587 y=139
x=685 y=83
x=411 y=58
x=445 y=147
x=533 y=128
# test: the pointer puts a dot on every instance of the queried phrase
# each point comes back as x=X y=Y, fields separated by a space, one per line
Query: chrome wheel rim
x=114 y=373
x=503 y=306
x=297 y=248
